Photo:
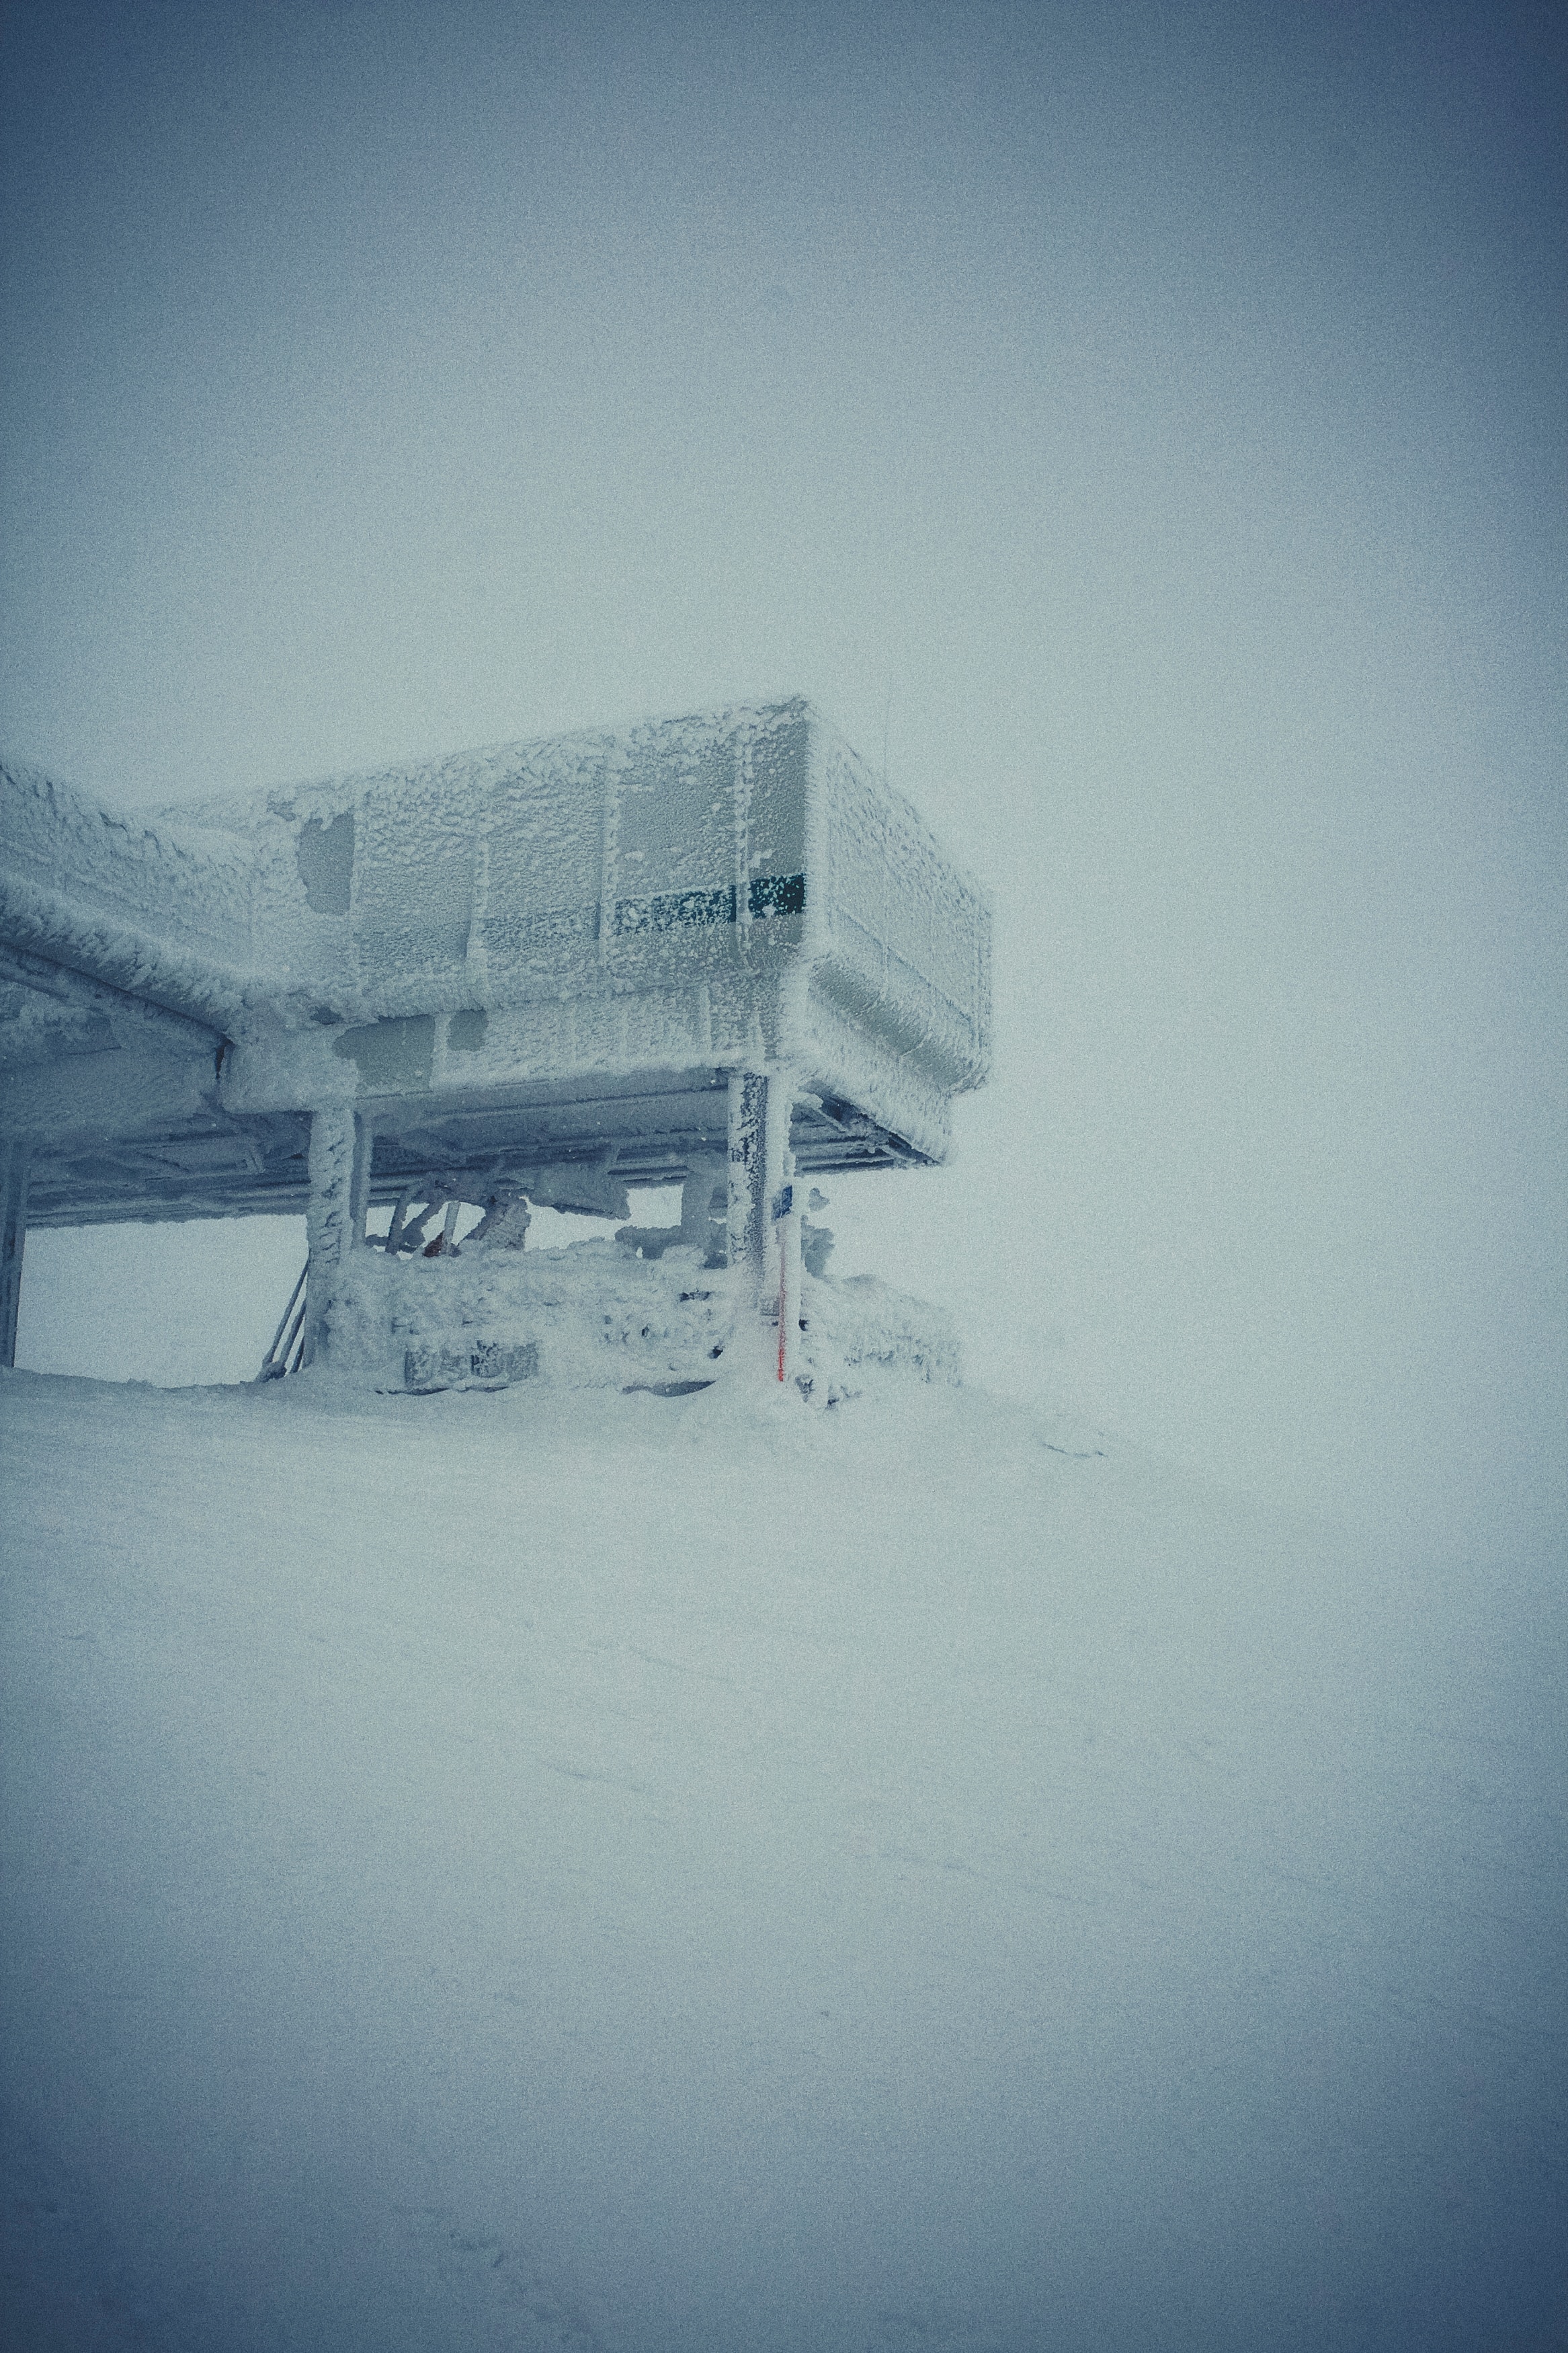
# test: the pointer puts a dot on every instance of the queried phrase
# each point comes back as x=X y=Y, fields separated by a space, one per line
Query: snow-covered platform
x=597 y=1316
x=545 y=973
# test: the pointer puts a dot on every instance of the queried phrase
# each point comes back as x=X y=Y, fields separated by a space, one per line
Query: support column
x=704 y=1211
x=748 y=1117
x=15 y=1158
x=764 y=1228
x=334 y=1225
x=781 y=1264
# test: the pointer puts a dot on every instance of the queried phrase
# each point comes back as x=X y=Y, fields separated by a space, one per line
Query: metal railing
x=277 y=1361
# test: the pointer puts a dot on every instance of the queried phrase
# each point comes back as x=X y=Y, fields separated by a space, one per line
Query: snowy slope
x=681 y=1876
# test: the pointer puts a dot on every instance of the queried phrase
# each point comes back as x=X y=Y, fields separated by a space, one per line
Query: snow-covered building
x=713 y=951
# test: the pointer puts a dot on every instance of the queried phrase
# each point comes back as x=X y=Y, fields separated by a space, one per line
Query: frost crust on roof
x=160 y=912
x=597 y=911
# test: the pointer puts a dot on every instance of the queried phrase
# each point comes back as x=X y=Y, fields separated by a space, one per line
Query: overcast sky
x=1142 y=425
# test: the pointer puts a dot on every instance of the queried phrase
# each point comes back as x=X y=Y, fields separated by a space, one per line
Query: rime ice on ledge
x=716 y=952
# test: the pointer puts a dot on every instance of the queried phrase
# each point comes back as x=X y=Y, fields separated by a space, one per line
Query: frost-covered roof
x=596 y=909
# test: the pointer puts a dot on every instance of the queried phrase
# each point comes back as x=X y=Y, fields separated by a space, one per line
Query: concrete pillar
x=15 y=1158
x=334 y=1225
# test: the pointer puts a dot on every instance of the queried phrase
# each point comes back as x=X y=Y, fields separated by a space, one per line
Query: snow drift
x=551 y=1870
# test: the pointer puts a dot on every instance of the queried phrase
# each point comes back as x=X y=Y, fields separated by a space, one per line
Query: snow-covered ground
x=702 y=1875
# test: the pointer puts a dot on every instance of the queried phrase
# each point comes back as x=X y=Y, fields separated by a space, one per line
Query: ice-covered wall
x=693 y=892
x=682 y=851
x=690 y=896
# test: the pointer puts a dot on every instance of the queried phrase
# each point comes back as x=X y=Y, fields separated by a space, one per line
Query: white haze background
x=690 y=1876
x=1141 y=425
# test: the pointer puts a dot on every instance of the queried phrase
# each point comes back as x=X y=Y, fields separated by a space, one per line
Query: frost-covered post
x=748 y=1119
x=786 y=1229
x=704 y=1181
x=15 y=1159
x=340 y=1195
x=765 y=1231
x=781 y=1263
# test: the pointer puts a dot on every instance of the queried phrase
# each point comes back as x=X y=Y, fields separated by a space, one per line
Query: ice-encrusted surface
x=687 y=862
x=592 y=1315
x=597 y=1316
x=142 y=904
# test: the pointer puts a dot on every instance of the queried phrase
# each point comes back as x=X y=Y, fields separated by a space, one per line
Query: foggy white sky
x=1144 y=422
